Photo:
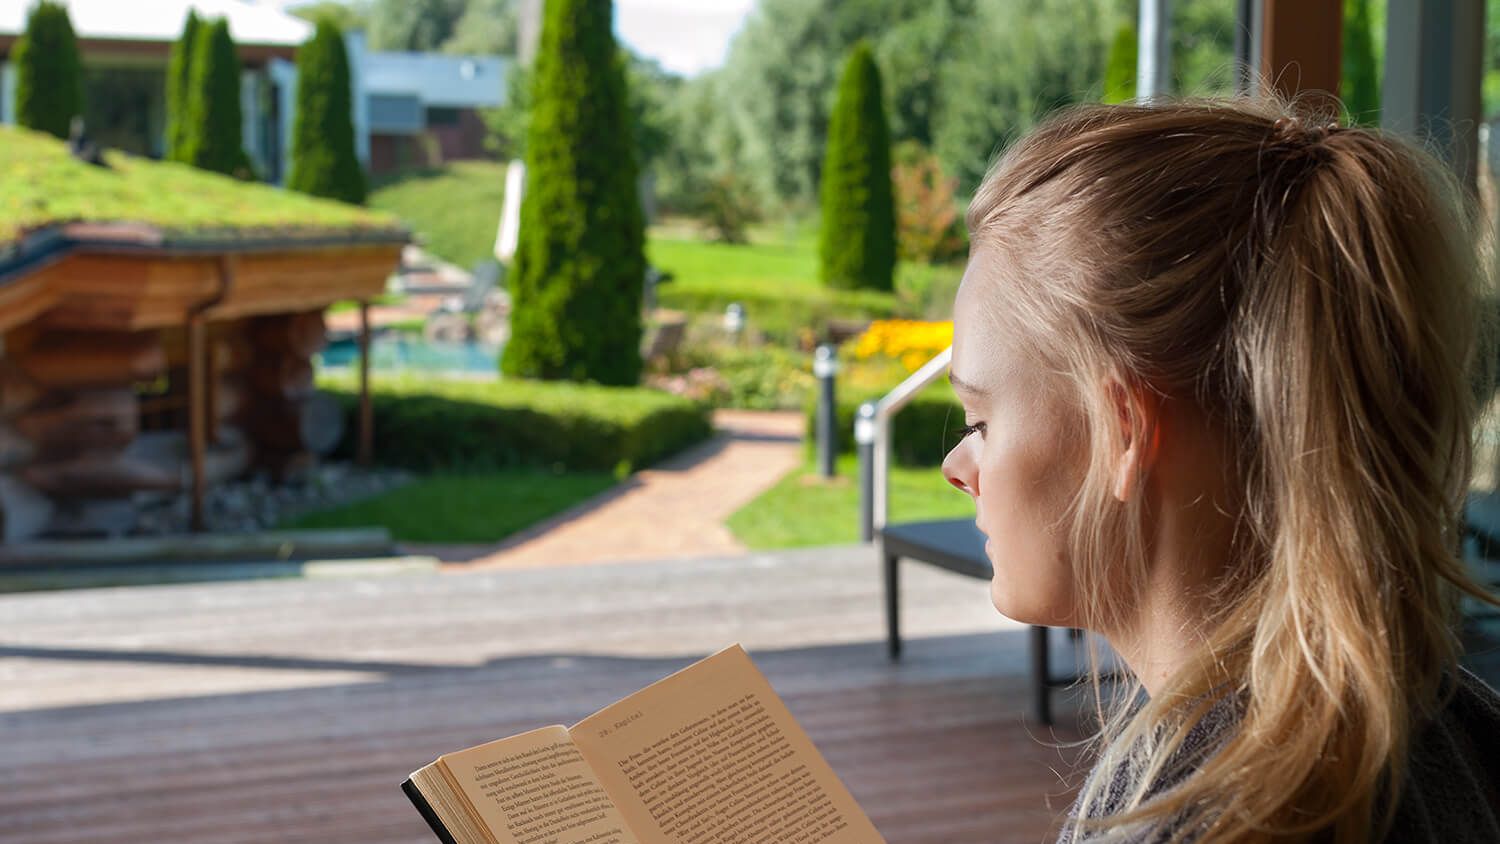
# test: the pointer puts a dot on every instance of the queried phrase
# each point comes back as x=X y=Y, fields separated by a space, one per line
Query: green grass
x=453 y=209
x=802 y=509
x=43 y=185
x=464 y=507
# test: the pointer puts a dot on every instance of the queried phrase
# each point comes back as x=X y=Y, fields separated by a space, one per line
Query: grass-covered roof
x=41 y=185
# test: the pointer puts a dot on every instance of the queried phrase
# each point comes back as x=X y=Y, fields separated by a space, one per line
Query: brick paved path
x=674 y=509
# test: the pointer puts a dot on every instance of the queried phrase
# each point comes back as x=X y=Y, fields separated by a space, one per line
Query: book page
x=536 y=788
x=711 y=754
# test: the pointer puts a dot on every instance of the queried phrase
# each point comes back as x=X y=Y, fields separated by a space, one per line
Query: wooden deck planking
x=290 y=711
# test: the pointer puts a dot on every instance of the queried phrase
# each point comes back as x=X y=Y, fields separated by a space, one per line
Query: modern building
x=409 y=108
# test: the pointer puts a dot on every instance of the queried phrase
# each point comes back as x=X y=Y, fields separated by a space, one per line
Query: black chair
x=958 y=546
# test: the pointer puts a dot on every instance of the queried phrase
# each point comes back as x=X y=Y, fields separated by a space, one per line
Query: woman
x=1215 y=364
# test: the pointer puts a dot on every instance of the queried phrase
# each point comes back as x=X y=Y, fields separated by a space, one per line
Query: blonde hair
x=1312 y=290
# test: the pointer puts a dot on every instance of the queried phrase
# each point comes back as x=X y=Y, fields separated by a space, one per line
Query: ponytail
x=1313 y=289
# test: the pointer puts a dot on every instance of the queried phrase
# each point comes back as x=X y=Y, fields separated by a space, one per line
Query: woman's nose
x=952 y=470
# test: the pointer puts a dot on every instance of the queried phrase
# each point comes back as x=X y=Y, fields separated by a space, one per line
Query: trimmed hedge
x=924 y=429
x=427 y=425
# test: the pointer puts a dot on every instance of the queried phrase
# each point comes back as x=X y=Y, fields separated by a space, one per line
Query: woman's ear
x=1138 y=412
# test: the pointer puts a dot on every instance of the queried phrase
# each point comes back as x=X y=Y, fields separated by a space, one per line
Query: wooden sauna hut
x=157 y=328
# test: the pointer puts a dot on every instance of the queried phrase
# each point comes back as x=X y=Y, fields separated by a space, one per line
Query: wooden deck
x=289 y=711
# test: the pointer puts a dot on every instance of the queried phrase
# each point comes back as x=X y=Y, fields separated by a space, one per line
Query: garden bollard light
x=825 y=366
x=734 y=320
x=864 y=438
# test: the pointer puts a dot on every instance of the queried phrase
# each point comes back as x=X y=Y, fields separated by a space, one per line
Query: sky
x=685 y=36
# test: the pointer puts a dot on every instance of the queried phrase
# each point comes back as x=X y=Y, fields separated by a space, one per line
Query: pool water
x=394 y=353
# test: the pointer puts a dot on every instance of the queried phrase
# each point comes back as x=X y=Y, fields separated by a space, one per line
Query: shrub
x=426 y=425
x=728 y=208
x=49 y=76
x=928 y=227
x=213 y=136
x=762 y=378
x=857 y=242
x=324 y=162
x=782 y=316
x=576 y=284
x=179 y=86
x=921 y=434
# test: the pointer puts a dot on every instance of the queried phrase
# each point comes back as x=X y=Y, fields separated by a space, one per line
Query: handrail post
x=864 y=439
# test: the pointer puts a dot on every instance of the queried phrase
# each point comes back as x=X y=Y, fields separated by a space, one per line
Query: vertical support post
x=1041 y=676
x=197 y=415
x=864 y=441
x=1247 y=20
x=366 y=412
x=1153 y=67
x=1431 y=88
x=825 y=366
x=1302 y=45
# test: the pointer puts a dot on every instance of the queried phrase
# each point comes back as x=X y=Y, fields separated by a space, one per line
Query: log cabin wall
x=72 y=417
x=282 y=402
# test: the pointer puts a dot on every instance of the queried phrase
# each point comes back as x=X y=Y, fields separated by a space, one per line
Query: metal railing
x=872 y=434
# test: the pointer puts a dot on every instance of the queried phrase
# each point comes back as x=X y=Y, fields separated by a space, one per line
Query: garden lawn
x=802 y=509
x=454 y=209
x=469 y=508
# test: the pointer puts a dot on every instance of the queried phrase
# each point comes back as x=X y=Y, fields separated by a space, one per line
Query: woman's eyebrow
x=965 y=387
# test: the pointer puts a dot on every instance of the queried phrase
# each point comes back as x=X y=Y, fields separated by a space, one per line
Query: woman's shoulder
x=1451 y=791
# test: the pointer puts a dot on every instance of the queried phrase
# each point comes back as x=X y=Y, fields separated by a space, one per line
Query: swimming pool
x=396 y=353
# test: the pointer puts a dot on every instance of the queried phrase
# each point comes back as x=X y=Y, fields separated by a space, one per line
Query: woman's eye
x=969 y=429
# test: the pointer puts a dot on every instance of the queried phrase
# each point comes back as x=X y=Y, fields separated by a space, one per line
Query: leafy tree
x=413 y=25
x=1020 y=61
x=49 y=75
x=857 y=241
x=324 y=162
x=179 y=84
x=486 y=27
x=1121 y=70
x=577 y=280
x=345 y=16
x=1361 y=84
x=213 y=136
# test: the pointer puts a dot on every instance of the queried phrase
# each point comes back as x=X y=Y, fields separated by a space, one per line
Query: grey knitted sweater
x=1452 y=788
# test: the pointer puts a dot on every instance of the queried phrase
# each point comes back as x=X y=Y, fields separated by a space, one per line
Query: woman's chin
x=1026 y=606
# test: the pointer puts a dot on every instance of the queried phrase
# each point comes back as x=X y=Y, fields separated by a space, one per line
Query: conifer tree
x=1120 y=72
x=1361 y=86
x=857 y=242
x=324 y=162
x=213 y=139
x=576 y=283
x=179 y=84
x=49 y=75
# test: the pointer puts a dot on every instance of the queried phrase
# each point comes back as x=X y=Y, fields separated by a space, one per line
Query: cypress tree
x=49 y=75
x=324 y=162
x=576 y=282
x=213 y=138
x=1120 y=72
x=1361 y=87
x=179 y=83
x=857 y=243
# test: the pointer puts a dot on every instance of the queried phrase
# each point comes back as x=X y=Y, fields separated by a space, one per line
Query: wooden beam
x=366 y=412
x=1302 y=46
x=197 y=414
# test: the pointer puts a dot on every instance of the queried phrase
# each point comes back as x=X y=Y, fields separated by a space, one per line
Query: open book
x=708 y=754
